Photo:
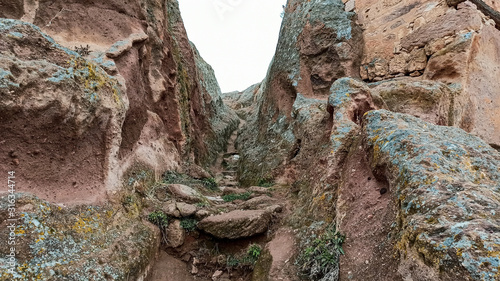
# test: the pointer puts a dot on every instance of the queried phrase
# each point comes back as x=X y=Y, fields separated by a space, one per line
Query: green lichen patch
x=93 y=79
x=78 y=243
x=447 y=184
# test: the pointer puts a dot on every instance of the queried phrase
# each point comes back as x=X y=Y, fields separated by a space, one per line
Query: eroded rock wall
x=318 y=44
x=434 y=63
x=97 y=98
x=172 y=112
x=433 y=41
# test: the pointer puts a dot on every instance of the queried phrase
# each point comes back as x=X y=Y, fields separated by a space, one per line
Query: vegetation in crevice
x=242 y=196
x=247 y=259
x=319 y=259
x=160 y=219
x=189 y=224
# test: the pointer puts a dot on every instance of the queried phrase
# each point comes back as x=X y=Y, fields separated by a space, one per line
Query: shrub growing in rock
x=160 y=219
x=320 y=259
x=189 y=224
x=210 y=183
x=254 y=251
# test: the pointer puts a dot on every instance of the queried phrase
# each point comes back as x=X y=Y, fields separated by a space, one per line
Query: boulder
x=258 y=189
x=175 y=234
x=170 y=209
x=446 y=185
x=71 y=243
x=196 y=172
x=259 y=202
x=58 y=109
x=233 y=190
x=186 y=210
x=185 y=193
x=236 y=224
x=428 y=100
x=201 y=214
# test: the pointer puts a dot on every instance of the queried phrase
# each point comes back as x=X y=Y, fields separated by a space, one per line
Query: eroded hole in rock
x=296 y=149
x=362 y=105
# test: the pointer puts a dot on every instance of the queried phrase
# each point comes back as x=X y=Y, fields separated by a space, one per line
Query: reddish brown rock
x=431 y=101
x=236 y=224
x=175 y=234
x=185 y=193
x=172 y=101
x=61 y=116
x=482 y=86
x=447 y=25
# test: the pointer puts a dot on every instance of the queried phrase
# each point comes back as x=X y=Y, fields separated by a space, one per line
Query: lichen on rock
x=447 y=185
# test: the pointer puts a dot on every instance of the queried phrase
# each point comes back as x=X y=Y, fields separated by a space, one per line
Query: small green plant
x=232 y=261
x=171 y=177
x=265 y=182
x=242 y=196
x=210 y=183
x=189 y=224
x=320 y=259
x=254 y=251
x=158 y=218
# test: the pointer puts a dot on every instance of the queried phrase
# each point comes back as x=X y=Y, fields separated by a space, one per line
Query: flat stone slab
x=185 y=193
x=236 y=224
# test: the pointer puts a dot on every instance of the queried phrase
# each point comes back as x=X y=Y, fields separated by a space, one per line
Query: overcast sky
x=236 y=37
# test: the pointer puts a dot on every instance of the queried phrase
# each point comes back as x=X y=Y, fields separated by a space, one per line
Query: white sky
x=236 y=37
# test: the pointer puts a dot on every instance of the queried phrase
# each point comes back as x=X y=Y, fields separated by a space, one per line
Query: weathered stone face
x=236 y=224
x=447 y=184
x=76 y=243
x=317 y=45
x=420 y=58
x=169 y=107
x=137 y=95
x=58 y=110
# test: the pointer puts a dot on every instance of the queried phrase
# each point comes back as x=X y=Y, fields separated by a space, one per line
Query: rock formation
x=78 y=127
x=368 y=152
x=162 y=108
x=425 y=59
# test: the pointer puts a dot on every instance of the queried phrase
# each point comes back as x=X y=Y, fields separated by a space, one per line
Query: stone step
x=229 y=173
x=229 y=183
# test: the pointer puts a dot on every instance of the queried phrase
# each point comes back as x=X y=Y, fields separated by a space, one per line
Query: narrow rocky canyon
x=370 y=151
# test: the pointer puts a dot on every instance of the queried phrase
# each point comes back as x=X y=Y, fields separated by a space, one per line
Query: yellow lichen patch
x=82 y=225
x=20 y=231
x=432 y=220
x=94 y=78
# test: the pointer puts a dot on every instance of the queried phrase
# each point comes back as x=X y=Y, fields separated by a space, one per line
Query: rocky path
x=226 y=166
x=229 y=221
